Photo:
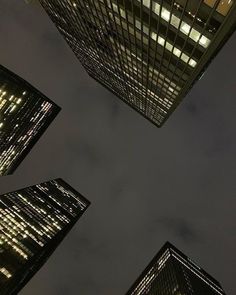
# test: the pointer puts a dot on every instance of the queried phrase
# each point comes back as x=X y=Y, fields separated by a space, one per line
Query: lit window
x=185 y=57
x=204 y=41
x=224 y=6
x=115 y=7
x=165 y=14
x=169 y=46
x=176 y=52
x=192 y=63
x=156 y=8
x=138 y=24
x=154 y=36
x=122 y=13
x=185 y=28
x=161 y=41
x=195 y=35
x=145 y=29
x=210 y=2
x=175 y=21
x=146 y=3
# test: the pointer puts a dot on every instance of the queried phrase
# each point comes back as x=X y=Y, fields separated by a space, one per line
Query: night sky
x=147 y=185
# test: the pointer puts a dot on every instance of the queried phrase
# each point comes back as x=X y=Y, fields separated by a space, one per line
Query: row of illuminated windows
x=200 y=275
x=166 y=89
x=5 y=272
x=156 y=78
x=223 y=7
x=149 y=92
x=174 y=20
x=8 y=241
x=130 y=57
x=160 y=40
x=152 y=273
x=9 y=155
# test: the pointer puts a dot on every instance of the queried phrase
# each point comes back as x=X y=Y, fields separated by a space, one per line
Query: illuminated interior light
x=146 y=3
x=185 y=28
x=204 y=41
x=165 y=14
x=161 y=41
x=154 y=36
x=192 y=63
x=177 y=52
x=13 y=108
x=175 y=21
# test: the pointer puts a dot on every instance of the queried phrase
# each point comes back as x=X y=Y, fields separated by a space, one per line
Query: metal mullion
x=162 y=58
x=196 y=44
x=141 y=30
x=116 y=65
x=125 y=52
x=117 y=45
x=94 y=16
x=112 y=62
x=156 y=44
x=136 y=46
x=185 y=42
x=127 y=21
x=171 y=55
x=148 y=51
x=81 y=24
x=104 y=22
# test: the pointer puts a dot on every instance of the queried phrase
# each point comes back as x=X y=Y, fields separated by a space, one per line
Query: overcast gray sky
x=146 y=185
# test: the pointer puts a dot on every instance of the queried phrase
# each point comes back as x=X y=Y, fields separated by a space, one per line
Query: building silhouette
x=172 y=273
x=33 y=221
x=25 y=114
x=148 y=53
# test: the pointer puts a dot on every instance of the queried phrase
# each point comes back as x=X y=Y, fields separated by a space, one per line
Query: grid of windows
x=33 y=221
x=24 y=115
x=147 y=52
x=171 y=272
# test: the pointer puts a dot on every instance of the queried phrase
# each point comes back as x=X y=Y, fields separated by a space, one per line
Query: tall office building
x=33 y=221
x=25 y=114
x=147 y=52
x=173 y=273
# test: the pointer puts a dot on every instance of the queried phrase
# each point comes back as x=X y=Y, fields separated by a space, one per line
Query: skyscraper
x=172 y=273
x=149 y=53
x=25 y=114
x=33 y=221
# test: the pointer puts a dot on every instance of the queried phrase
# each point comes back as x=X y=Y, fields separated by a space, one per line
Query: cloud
x=146 y=185
x=180 y=228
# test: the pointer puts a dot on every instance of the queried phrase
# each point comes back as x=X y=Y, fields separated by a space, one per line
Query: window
x=165 y=14
x=185 y=28
x=146 y=3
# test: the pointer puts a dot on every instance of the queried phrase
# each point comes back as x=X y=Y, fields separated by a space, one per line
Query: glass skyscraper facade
x=173 y=273
x=33 y=221
x=25 y=114
x=147 y=52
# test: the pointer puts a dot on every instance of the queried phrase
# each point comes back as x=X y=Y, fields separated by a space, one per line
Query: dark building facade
x=173 y=273
x=149 y=53
x=25 y=114
x=33 y=221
